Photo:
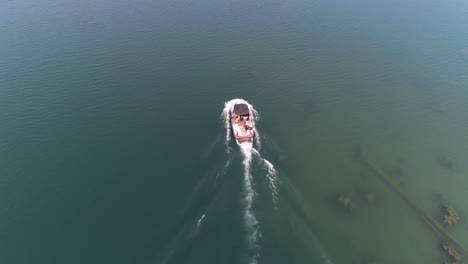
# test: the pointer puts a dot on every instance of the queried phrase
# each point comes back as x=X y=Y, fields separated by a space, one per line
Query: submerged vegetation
x=451 y=249
x=452 y=254
x=346 y=202
x=451 y=216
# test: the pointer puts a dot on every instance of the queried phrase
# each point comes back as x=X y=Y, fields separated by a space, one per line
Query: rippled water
x=113 y=149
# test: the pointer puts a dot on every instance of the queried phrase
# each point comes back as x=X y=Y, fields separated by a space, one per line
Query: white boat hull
x=242 y=125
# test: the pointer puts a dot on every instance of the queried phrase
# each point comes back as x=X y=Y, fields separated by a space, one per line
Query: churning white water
x=251 y=221
x=271 y=175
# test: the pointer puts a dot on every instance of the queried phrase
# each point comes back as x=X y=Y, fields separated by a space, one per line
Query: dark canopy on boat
x=241 y=109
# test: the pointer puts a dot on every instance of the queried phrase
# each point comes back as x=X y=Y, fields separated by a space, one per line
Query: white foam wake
x=249 y=215
x=271 y=176
x=272 y=180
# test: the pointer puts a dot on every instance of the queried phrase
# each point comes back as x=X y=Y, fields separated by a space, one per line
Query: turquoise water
x=113 y=149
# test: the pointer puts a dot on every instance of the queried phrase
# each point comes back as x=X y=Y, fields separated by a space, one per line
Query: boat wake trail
x=249 y=215
x=248 y=152
x=272 y=175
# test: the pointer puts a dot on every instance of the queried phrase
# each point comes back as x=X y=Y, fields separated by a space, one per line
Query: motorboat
x=242 y=123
